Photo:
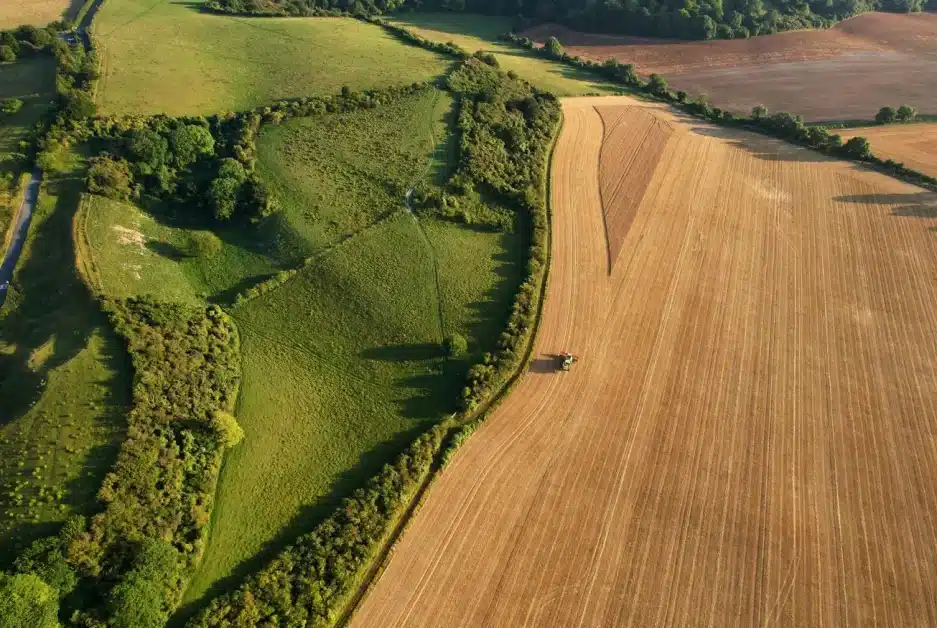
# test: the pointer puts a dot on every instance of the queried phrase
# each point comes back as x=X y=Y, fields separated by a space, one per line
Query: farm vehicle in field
x=566 y=360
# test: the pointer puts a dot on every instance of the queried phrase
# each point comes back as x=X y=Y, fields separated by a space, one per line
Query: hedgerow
x=158 y=497
x=782 y=125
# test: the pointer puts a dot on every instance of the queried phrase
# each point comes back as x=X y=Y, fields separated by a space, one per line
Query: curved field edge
x=460 y=430
x=153 y=54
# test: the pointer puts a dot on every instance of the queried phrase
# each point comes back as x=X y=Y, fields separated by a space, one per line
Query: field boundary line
x=383 y=554
x=84 y=258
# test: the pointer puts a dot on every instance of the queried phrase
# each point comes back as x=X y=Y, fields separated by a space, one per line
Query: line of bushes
x=306 y=584
x=128 y=565
x=408 y=36
x=782 y=125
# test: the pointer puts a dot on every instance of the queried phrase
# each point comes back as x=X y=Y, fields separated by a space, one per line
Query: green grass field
x=343 y=364
x=167 y=57
x=33 y=82
x=64 y=379
x=480 y=32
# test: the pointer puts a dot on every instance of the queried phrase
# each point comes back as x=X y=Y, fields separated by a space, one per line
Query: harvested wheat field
x=914 y=145
x=847 y=72
x=750 y=435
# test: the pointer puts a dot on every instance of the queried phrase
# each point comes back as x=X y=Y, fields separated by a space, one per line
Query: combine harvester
x=566 y=360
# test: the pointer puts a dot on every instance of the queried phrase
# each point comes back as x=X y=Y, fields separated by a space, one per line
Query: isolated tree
x=554 y=47
x=204 y=244
x=27 y=601
x=7 y=54
x=886 y=115
x=657 y=85
x=456 y=345
x=226 y=428
x=905 y=113
x=759 y=112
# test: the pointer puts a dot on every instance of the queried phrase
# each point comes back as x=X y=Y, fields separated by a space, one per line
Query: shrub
x=109 y=177
x=857 y=147
x=11 y=106
x=227 y=429
x=7 y=54
x=204 y=244
x=456 y=345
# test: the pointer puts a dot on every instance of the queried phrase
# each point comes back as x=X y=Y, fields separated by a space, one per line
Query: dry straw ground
x=846 y=72
x=38 y=12
x=915 y=145
x=750 y=437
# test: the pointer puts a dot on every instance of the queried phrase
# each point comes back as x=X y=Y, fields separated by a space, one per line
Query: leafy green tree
x=905 y=113
x=27 y=602
x=227 y=428
x=110 y=177
x=11 y=106
x=858 y=147
x=886 y=115
x=657 y=85
x=7 y=54
x=456 y=345
x=148 y=149
x=139 y=601
x=189 y=142
x=554 y=47
x=759 y=112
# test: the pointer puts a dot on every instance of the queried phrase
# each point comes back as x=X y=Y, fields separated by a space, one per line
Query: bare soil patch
x=914 y=145
x=846 y=72
x=750 y=435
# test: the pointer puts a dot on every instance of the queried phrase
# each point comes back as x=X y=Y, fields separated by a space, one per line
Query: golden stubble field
x=847 y=72
x=750 y=437
x=915 y=145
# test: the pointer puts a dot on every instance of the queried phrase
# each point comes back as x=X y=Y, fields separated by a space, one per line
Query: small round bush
x=205 y=244
x=456 y=345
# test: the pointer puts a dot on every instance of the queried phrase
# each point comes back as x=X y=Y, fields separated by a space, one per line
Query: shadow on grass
x=49 y=306
x=167 y=250
x=310 y=515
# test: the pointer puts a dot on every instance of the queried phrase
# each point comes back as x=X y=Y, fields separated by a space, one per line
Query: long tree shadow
x=51 y=313
x=917 y=205
x=309 y=516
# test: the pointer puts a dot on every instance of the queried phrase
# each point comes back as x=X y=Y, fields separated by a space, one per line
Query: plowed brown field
x=750 y=436
x=847 y=72
x=915 y=145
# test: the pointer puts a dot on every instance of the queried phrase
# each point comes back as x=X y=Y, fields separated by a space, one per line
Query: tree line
x=685 y=19
x=787 y=126
x=127 y=566
x=506 y=129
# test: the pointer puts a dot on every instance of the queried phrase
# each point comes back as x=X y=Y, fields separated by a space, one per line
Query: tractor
x=566 y=360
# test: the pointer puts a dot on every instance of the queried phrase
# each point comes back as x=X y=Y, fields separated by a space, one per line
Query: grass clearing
x=343 y=364
x=64 y=379
x=33 y=82
x=168 y=57
x=480 y=32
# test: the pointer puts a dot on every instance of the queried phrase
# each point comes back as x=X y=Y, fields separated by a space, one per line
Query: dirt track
x=915 y=145
x=750 y=437
x=847 y=72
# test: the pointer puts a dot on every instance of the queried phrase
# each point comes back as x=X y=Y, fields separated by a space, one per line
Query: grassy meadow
x=343 y=364
x=33 y=82
x=480 y=32
x=168 y=57
x=64 y=378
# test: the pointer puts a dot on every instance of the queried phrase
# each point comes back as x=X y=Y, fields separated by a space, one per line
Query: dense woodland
x=686 y=19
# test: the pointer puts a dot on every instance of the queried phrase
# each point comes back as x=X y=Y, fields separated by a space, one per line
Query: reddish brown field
x=750 y=435
x=914 y=145
x=845 y=73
